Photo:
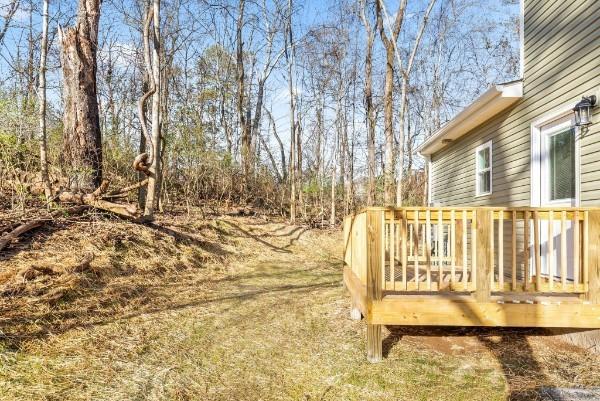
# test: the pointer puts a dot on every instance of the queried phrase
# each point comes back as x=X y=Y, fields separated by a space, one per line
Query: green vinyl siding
x=562 y=63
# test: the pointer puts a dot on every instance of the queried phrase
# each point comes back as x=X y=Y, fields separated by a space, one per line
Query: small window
x=483 y=160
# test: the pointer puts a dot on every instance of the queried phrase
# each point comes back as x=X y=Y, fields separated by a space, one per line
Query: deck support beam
x=485 y=262
x=448 y=310
x=375 y=227
x=374 y=343
x=593 y=287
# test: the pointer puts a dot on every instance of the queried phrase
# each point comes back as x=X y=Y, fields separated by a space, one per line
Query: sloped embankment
x=233 y=308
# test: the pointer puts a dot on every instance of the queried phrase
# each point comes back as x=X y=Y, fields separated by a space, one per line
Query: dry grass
x=232 y=309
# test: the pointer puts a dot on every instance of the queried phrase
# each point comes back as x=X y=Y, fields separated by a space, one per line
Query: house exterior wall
x=562 y=63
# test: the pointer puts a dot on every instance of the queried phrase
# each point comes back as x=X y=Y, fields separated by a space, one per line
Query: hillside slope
x=232 y=309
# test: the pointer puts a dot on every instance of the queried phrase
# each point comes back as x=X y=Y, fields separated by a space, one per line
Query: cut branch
x=7 y=239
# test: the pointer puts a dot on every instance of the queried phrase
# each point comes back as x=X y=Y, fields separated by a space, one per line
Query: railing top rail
x=494 y=208
x=542 y=213
x=520 y=210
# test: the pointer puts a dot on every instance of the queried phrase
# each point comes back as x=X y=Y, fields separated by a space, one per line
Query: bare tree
x=369 y=109
x=241 y=93
x=404 y=98
x=290 y=57
x=82 y=137
x=42 y=104
x=280 y=143
x=13 y=6
x=155 y=168
x=388 y=93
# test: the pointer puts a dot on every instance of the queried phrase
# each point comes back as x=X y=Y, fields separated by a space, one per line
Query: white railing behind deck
x=436 y=249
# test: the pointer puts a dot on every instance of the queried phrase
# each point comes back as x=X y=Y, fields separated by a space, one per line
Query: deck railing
x=475 y=250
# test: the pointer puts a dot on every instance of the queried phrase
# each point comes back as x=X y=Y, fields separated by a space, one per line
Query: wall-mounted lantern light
x=583 y=111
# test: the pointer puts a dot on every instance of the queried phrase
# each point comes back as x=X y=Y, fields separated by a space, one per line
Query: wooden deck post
x=458 y=249
x=484 y=260
x=374 y=272
x=593 y=293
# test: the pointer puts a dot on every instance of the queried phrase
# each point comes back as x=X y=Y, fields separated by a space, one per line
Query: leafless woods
x=305 y=109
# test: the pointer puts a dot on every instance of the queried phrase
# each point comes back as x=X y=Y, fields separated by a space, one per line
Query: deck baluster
x=440 y=249
x=403 y=229
x=563 y=251
x=473 y=249
x=452 y=246
x=392 y=252
x=550 y=251
x=501 y=250
x=514 y=250
x=416 y=248
x=526 y=272
x=465 y=255
x=492 y=248
x=537 y=250
x=428 y=246
x=585 y=250
x=576 y=248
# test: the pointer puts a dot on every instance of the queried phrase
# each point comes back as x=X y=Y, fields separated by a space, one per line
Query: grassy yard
x=233 y=309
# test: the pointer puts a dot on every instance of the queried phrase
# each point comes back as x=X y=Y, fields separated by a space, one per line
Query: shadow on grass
x=64 y=299
x=208 y=246
x=509 y=346
x=296 y=233
x=53 y=322
x=39 y=235
x=125 y=290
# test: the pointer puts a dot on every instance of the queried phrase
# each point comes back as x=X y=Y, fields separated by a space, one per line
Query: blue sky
x=309 y=13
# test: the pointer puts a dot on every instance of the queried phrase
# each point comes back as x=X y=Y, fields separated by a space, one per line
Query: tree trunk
x=404 y=99
x=289 y=53
x=281 y=147
x=154 y=172
x=370 y=36
x=82 y=140
x=142 y=149
x=42 y=104
x=241 y=104
x=332 y=199
x=388 y=95
x=401 y=135
x=388 y=128
x=299 y=164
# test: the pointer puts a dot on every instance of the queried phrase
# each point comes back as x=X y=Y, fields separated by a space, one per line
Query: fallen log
x=96 y=199
x=5 y=240
x=127 y=211
x=122 y=191
x=22 y=229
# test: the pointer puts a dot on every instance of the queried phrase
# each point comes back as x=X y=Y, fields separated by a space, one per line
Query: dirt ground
x=233 y=309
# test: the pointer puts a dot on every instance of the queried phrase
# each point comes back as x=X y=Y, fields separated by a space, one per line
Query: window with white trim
x=483 y=168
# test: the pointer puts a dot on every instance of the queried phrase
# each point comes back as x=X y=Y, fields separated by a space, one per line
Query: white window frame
x=539 y=195
x=545 y=186
x=487 y=145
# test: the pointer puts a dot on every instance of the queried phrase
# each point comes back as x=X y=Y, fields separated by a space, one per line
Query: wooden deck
x=473 y=267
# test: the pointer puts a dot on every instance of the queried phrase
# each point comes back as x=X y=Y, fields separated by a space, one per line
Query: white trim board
x=522 y=39
x=536 y=165
x=486 y=145
x=492 y=102
x=429 y=183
